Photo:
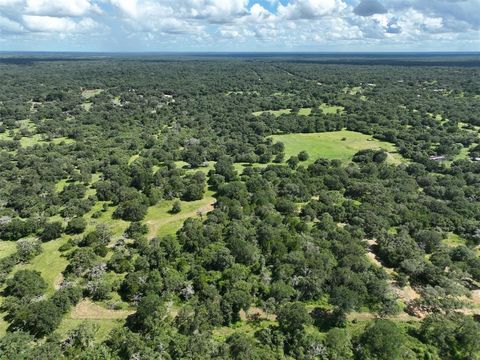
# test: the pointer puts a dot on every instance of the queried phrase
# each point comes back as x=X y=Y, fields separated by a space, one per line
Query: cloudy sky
x=240 y=25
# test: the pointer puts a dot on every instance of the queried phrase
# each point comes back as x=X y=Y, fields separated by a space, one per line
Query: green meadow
x=326 y=109
x=160 y=222
x=340 y=145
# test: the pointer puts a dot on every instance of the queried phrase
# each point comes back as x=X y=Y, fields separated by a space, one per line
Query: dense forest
x=240 y=208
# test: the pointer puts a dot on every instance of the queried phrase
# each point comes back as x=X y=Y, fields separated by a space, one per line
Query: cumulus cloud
x=50 y=24
x=369 y=8
x=150 y=12
x=8 y=26
x=268 y=23
x=310 y=9
x=61 y=7
x=59 y=17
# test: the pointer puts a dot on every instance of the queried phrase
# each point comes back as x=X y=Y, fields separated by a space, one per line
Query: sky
x=240 y=25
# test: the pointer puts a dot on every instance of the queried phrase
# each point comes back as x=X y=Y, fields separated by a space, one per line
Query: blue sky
x=239 y=25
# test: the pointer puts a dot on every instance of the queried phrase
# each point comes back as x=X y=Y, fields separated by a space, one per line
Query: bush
x=303 y=156
x=176 y=208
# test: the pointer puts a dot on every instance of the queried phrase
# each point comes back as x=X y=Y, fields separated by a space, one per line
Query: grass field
x=35 y=139
x=160 y=222
x=205 y=169
x=50 y=263
x=340 y=145
x=331 y=109
x=326 y=109
x=87 y=106
x=276 y=113
x=453 y=240
x=133 y=158
x=7 y=248
x=305 y=111
x=116 y=226
x=104 y=327
x=88 y=93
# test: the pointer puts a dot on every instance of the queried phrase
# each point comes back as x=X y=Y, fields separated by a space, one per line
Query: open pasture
x=340 y=145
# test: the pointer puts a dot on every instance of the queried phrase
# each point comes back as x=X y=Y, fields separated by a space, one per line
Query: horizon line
x=231 y=52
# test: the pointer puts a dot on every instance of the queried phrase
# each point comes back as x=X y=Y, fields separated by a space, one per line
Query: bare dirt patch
x=88 y=310
x=256 y=312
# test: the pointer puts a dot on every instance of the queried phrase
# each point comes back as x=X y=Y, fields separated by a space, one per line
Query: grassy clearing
x=50 y=263
x=89 y=93
x=7 y=248
x=204 y=169
x=437 y=117
x=160 y=222
x=340 y=145
x=88 y=310
x=275 y=113
x=453 y=240
x=3 y=324
x=116 y=226
x=245 y=327
x=331 y=109
x=87 y=106
x=463 y=155
x=59 y=186
x=35 y=139
x=105 y=326
x=326 y=109
x=133 y=158
x=282 y=94
x=304 y=111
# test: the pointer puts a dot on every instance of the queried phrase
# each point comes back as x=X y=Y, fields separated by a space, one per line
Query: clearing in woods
x=340 y=145
x=88 y=93
x=161 y=223
x=88 y=311
x=326 y=109
x=50 y=263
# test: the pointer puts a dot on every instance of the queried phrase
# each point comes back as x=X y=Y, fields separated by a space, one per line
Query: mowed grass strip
x=340 y=145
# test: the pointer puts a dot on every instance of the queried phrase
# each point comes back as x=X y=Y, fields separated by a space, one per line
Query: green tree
x=382 y=340
x=293 y=317
x=76 y=226
x=52 y=231
x=26 y=284
x=339 y=344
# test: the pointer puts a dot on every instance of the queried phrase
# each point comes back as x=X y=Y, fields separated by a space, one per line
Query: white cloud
x=205 y=23
x=50 y=24
x=150 y=12
x=7 y=3
x=310 y=9
x=10 y=26
x=61 y=7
